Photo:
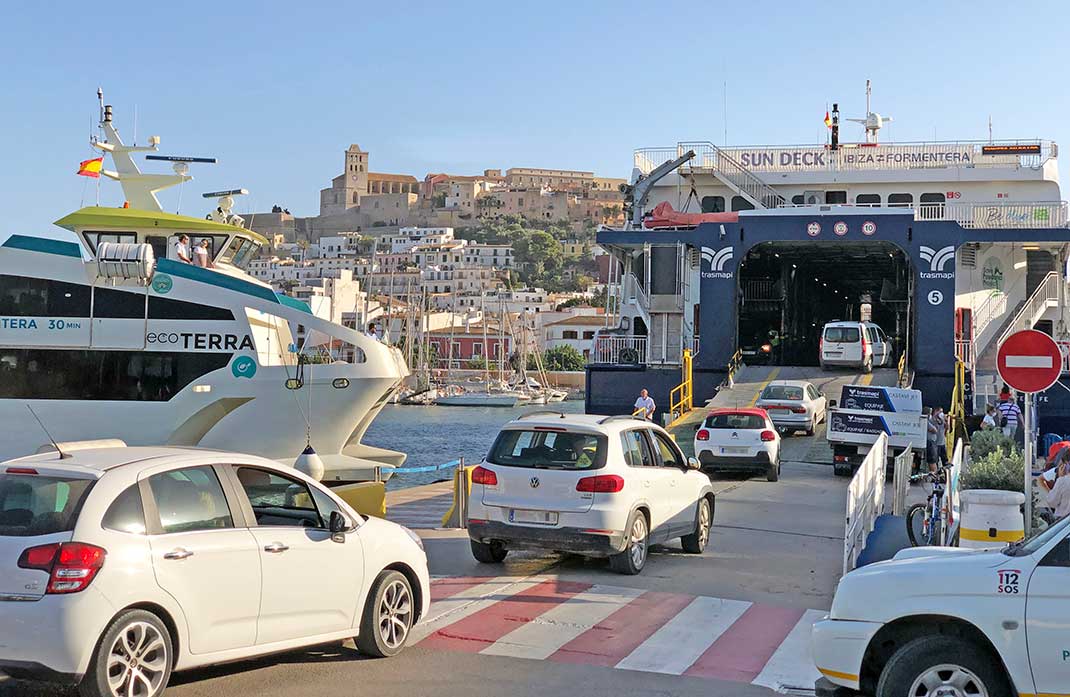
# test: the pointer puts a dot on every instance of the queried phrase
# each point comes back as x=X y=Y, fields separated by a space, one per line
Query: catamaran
x=106 y=331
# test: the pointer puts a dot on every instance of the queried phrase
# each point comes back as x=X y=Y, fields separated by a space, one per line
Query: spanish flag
x=91 y=168
x=828 y=121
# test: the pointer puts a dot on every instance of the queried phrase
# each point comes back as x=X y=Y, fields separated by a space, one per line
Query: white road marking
x=791 y=666
x=683 y=639
x=468 y=602
x=547 y=633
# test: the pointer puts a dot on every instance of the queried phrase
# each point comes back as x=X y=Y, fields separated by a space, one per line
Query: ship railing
x=1031 y=154
x=610 y=349
x=1045 y=295
x=964 y=351
x=979 y=215
x=991 y=308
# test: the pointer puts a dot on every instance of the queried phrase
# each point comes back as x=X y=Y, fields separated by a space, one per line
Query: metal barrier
x=681 y=397
x=734 y=364
x=865 y=501
x=457 y=515
x=618 y=350
x=904 y=463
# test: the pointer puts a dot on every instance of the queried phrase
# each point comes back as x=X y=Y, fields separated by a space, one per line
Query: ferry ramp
x=748 y=384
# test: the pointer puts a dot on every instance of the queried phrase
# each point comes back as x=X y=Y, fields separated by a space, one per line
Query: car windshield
x=843 y=335
x=1039 y=539
x=735 y=421
x=32 y=505
x=546 y=449
x=788 y=392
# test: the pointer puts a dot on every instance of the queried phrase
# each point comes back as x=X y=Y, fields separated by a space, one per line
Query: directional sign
x=1029 y=361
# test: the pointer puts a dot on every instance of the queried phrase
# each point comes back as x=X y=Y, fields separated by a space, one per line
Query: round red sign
x=1029 y=361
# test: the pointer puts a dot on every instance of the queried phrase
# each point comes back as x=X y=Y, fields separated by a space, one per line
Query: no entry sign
x=1029 y=361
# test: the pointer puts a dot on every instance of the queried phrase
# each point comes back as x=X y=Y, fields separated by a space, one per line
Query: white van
x=854 y=344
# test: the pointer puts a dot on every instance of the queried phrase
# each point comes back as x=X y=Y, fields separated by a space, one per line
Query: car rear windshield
x=843 y=335
x=32 y=505
x=782 y=392
x=546 y=449
x=735 y=422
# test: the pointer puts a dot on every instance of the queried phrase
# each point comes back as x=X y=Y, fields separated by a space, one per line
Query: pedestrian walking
x=644 y=406
x=1010 y=413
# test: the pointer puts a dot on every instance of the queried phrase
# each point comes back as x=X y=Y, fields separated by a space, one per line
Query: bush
x=995 y=470
x=983 y=443
x=477 y=363
x=563 y=357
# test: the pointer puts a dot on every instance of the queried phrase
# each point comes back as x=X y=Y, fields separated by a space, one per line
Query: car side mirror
x=693 y=463
x=337 y=525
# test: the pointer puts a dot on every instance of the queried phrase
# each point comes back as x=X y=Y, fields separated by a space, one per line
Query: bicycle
x=932 y=522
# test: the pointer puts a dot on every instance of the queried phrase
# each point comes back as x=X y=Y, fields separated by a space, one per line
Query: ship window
x=240 y=252
x=933 y=198
x=901 y=200
x=158 y=244
x=741 y=204
x=868 y=199
x=101 y=375
x=798 y=199
x=95 y=237
x=21 y=296
x=713 y=204
x=165 y=308
x=832 y=197
x=118 y=304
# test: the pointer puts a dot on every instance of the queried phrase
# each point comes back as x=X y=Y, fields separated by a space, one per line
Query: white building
x=408 y=237
x=577 y=331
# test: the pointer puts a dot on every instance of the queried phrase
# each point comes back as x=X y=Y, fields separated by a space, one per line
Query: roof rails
x=543 y=412
x=620 y=417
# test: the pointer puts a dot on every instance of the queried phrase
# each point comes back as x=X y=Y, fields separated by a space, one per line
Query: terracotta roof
x=379 y=176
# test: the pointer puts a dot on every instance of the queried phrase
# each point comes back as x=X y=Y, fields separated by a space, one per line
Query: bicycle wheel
x=916 y=524
x=936 y=531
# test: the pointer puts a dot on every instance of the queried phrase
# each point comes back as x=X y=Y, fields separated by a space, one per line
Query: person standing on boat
x=644 y=406
x=200 y=255
x=182 y=249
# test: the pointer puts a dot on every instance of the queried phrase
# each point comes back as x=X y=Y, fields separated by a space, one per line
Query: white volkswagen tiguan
x=593 y=485
x=119 y=565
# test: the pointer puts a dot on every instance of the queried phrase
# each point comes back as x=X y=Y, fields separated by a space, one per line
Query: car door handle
x=275 y=548
x=176 y=554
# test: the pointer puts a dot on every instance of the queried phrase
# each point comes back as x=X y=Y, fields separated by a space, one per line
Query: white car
x=793 y=405
x=950 y=621
x=738 y=440
x=594 y=485
x=855 y=345
x=119 y=565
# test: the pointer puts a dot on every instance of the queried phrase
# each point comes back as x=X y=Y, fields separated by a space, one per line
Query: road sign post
x=1029 y=361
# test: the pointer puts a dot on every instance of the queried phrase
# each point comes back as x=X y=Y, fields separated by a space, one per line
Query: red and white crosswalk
x=543 y=618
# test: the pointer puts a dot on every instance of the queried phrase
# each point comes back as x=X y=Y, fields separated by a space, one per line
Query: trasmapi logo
x=937 y=260
x=717 y=261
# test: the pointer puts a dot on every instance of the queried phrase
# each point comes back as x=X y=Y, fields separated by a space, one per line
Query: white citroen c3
x=119 y=565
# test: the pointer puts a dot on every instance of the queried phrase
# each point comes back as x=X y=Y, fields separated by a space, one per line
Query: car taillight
x=703 y=434
x=601 y=484
x=820 y=344
x=71 y=566
x=482 y=475
x=768 y=436
x=21 y=470
x=798 y=410
x=864 y=344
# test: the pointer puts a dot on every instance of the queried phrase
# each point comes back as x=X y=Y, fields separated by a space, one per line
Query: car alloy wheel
x=948 y=680
x=638 y=541
x=137 y=661
x=395 y=614
x=703 y=524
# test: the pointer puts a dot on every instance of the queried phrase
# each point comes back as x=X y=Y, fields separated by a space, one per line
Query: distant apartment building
x=577 y=331
x=409 y=237
x=461 y=345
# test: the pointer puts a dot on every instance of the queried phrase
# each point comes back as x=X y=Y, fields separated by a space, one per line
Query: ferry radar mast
x=873 y=121
x=139 y=189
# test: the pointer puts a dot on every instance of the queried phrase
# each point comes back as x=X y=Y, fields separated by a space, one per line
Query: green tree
x=563 y=358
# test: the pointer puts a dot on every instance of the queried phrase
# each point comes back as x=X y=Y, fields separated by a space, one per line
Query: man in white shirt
x=645 y=406
x=1057 y=496
x=182 y=249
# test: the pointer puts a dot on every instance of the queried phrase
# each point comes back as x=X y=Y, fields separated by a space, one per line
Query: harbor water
x=433 y=435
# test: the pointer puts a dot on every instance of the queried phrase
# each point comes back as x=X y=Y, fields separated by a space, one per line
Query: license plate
x=537 y=517
x=784 y=409
x=733 y=450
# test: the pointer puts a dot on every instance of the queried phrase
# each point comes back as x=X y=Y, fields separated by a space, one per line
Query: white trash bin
x=991 y=519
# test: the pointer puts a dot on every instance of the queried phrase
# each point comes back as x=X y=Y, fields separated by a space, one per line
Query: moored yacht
x=108 y=332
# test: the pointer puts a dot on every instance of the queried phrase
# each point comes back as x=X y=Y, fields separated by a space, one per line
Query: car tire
x=388 y=616
x=632 y=560
x=773 y=473
x=488 y=552
x=940 y=657
x=696 y=542
x=812 y=428
x=841 y=470
x=153 y=656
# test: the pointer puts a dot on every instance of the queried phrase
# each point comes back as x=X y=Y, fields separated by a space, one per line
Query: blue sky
x=276 y=90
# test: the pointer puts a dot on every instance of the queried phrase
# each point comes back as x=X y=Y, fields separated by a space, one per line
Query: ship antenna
x=52 y=440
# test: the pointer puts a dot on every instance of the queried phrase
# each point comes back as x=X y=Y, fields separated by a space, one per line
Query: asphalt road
x=775 y=546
